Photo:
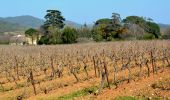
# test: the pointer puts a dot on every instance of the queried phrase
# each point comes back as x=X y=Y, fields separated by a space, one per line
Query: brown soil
x=142 y=87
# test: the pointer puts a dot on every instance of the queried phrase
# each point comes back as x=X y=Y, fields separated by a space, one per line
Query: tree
x=69 y=35
x=153 y=28
x=103 y=27
x=105 y=21
x=116 y=25
x=147 y=24
x=54 y=19
x=53 y=37
x=51 y=28
x=43 y=40
x=116 y=20
x=33 y=33
x=133 y=31
x=108 y=28
x=135 y=20
x=84 y=32
x=97 y=34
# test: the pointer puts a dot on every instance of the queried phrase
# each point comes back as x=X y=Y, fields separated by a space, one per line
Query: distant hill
x=10 y=24
x=19 y=23
x=10 y=27
x=72 y=24
x=164 y=25
x=27 y=21
x=30 y=21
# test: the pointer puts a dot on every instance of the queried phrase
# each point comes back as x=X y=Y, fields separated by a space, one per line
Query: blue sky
x=88 y=11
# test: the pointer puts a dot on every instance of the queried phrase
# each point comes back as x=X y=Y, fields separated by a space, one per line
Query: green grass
x=4 y=89
x=71 y=96
x=79 y=93
x=83 y=92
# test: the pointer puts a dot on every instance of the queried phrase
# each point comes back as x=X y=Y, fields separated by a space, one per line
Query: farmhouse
x=32 y=40
x=23 y=40
x=17 y=40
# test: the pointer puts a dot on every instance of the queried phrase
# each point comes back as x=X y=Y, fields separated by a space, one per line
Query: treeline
x=130 y=28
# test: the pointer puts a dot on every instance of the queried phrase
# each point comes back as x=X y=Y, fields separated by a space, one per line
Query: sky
x=88 y=11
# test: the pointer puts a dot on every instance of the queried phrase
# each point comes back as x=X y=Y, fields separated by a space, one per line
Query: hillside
x=72 y=24
x=9 y=27
x=20 y=23
x=164 y=25
x=28 y=21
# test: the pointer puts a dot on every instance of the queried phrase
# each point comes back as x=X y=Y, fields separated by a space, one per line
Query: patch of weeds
x=2 y=89
x=9 y=89
x=83 y=92
x=79 y=93
x=20 y=85
x=112 y=85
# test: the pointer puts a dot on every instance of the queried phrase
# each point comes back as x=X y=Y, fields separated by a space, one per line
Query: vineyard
x=84 y=71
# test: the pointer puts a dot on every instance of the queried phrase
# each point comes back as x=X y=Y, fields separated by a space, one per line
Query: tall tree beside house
x=33 y=33
x=54 y=35
x=52 y=27
x=54 y=19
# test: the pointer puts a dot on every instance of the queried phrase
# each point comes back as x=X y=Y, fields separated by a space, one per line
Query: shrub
x=148 y=36
x=69 y=35
x=97 y=37
x=43 y=40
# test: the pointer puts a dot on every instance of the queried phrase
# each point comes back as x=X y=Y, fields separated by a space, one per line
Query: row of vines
x=112 y=63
